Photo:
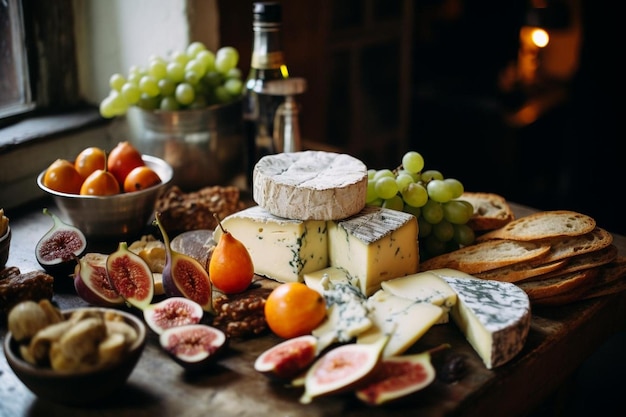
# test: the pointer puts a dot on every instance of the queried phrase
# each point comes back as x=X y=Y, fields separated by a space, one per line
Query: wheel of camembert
x=310 y=185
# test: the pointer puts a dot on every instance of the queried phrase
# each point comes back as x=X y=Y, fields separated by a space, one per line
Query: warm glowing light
x=540 y=37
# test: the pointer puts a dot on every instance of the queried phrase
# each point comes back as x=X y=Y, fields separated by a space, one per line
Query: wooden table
x=560 y=339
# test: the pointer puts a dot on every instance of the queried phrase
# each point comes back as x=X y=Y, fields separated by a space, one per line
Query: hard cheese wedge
x=375 y=245
x=333 y=274
x=403 y=319
x=281 y=249
x=494 y=316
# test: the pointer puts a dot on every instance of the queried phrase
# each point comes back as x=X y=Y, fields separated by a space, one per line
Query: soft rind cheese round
x=310 y=185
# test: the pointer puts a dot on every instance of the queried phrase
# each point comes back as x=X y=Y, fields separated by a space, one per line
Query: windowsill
x=30 y=146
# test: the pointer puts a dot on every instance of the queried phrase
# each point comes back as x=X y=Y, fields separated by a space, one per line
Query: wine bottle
x=267 y=63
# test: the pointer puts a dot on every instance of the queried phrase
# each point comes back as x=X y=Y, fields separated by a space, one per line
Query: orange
x=140 y=178
x=62 y=176
x=293 y=309
x=101 y=183
x=122 y=159
x=90 y=159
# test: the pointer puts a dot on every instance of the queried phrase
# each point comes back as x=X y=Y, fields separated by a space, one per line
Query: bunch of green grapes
x=442 y=216
x=190 y=79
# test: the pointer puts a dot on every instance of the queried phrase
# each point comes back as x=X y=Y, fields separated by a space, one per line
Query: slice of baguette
x=491 y=211
x=567 y=246
x=487 y=255
x=542 y=225
x=586 y=260
x=558 y=285
x=612 y=279
x=522 y=270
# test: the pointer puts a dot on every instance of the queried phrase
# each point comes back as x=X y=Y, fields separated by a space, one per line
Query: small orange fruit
x=141 y=178
x=101 y=182
x=231 y=268
x=90 y=159
x=293 y=309
x=62 y=176
x=122 y=159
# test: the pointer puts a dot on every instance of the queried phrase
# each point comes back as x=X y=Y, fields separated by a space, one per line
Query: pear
x=230 y=268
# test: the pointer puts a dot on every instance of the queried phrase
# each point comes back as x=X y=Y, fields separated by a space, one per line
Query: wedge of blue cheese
x=494 y=316
x=281 y=249
x=375 y=245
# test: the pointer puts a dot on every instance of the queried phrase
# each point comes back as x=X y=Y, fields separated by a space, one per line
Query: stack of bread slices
x=556 y=257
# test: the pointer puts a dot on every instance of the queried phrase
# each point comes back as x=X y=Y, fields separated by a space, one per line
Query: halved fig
x=92 y=282
x=287 y=359
x=193 y=346
x=58 y=248
x=172 y=312
x=184 y=276
x=397 y=377
x=130 y=276
x=344 y=368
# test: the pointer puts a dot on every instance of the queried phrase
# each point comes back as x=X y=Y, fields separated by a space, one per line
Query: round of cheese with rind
x=310 y=185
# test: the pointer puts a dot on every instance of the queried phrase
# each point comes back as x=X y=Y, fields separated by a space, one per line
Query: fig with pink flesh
x=287 y=359
x=92 y=283
x=193 y=346
x=184 y=276
x=397 y=377
x=58 y=248
x=344 y=368
x=172 y=312
x=130 y=276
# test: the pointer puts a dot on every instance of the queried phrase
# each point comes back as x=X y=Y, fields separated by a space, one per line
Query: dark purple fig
x=397 y=377
x=287 y=359
x=172 y=312
x=130 y=276
x=344 y=368
x=193 y=346
x=92 y=282
x=57 y=250
x=184 y=276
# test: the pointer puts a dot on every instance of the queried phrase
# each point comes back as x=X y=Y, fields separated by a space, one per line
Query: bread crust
x=491 y=211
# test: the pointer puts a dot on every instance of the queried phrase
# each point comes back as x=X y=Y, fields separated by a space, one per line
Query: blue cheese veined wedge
x=281 y=249
x=310 y=185
x=375 y=245
x=406 y=321
x=494 y=316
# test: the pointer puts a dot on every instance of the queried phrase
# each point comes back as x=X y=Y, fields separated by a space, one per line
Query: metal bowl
x=81 y=387
x=112 y=217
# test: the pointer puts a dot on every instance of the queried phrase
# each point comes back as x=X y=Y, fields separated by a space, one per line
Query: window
x=15 y=93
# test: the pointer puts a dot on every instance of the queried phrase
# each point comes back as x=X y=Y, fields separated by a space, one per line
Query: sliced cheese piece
x=403 y=319
x=310 y=185
x=375 y=245
x=281 y=249
x=348 y=315
x=334 y=275
x=494 y=316
x=424 y=287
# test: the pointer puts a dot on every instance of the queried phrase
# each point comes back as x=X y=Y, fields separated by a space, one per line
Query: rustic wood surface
x=560 y=339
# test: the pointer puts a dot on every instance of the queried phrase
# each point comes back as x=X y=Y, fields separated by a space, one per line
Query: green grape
x=444 y=231
x=416 y=211
x=213 y=78
x=148 y=103
x=197 y=67
x=149 y=86
x=456 y=212
x=456 y=187
x=383 y=173
x=226 y=58
x=378 y=202
x=403 y=180
x=439 y=191
x=463 y=234
x=371 y=173
x=386 y=187
x=222 y=95
x=131 y=93
x=415 y=195
x=180 y=57
x=434 y=246
x=394 y=203
x=116 y=82
x=413 y=162
x=199 y=102
x=371 y=192
x=415 y=175
x=175 y=72
x=194 y=48
x=431 y=174
x=169 y=103
x=157 y=69
x=425 y=228
x=234 y=86
x=192 y=77
x=234 y=73
x=134 y=78
x=167 y=87
x=185 y=94
x=432 y=212
x=207 y=59
x=113 y=105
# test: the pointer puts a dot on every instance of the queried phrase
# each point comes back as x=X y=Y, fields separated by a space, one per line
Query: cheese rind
x=494 y=316
x=403 y=319
x=281 y=249
x=310 y=185
x=375 y=245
